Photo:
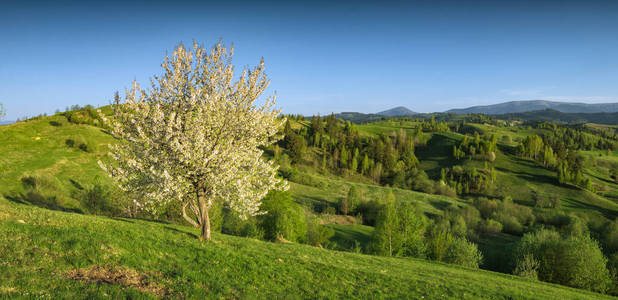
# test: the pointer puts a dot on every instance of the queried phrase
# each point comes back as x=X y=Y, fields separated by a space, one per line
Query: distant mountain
x=608 y=118
x=399 y=111
x=6 y=122
x=536 y=105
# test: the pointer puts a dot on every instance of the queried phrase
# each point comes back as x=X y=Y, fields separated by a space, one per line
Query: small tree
x=349 y=204
x=285 y=220
x=386 y=237
x=464 y=253
x=399 y=230
x=196 y=135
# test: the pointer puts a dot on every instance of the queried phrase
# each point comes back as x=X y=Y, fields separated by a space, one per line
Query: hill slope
x=532 y=105
x=81 y=250
x=66 y=255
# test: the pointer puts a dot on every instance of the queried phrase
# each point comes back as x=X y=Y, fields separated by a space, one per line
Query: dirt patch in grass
x=119 y=275
x=337 y=219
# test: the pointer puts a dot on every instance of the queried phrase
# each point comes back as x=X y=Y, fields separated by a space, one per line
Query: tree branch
x=189 y=219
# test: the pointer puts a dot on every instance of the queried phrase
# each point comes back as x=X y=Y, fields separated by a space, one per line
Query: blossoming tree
x=195 y=136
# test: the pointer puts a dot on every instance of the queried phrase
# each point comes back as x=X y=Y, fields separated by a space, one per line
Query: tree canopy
x=196 y=136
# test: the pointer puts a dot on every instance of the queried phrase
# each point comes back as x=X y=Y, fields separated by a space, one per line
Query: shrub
x=486 y=207
x=232 y=224
x=284 y=219
x=469 y=214
x=438 y=240
x=464 y=253
x=40 y=182
x=317 y=234
x=510 y=224
x=489 y=226
x=459 y=227
x=99 y=199
x=576 y=227
x=527 y=267
x=575 y=261
x=553 y=218
x=329 y=210
x=70 y=143
x=610 y=236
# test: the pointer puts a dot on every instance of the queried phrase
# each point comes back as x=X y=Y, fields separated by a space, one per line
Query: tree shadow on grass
x=33 y=197
x=316 y=203
x=440 y=204
x=608 y=213
x=439 y=149
x=531 y=177
x=189 y=234
x=602 y=179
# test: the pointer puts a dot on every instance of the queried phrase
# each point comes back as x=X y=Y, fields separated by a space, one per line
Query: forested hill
x=532 y=105
x=550 y=115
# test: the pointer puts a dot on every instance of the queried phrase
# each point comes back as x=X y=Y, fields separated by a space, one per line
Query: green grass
x=351 y=237
x=337 y=189
x=39 y=148
x=40 y=248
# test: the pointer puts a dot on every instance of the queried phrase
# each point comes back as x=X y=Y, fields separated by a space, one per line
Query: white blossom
x=195 y=136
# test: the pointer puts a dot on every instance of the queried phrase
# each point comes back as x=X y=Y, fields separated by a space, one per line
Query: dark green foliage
x=573 y=260
x=369 y=211
x=503 y=216
x=296 y=145
x=232 y=224
x=99 y=199
x=317 y=234
x=468 y=180
x=86 y=115
x=489 y=226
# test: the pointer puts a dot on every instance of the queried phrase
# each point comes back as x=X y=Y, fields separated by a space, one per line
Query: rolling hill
x=51 y=248
x=549 y=115
x=534 y=105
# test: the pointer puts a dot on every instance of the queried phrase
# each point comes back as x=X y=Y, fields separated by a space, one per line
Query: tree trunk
x=205 y=227
x=204 y=218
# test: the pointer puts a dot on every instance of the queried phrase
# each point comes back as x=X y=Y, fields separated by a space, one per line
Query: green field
x=52 y=254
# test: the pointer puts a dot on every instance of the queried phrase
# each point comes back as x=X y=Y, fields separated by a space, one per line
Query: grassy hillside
x=54 y=254
x=61 y=158
x=519 y=178
x=61 y=154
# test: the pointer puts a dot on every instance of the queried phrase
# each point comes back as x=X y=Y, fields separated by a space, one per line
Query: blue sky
x=321 y=56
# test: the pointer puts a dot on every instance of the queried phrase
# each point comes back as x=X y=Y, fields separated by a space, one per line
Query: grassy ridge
x=43 y=250
x=39 y=147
